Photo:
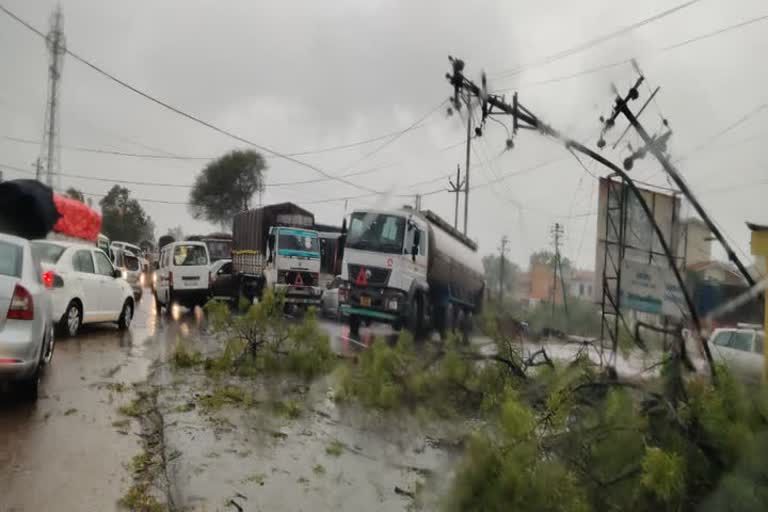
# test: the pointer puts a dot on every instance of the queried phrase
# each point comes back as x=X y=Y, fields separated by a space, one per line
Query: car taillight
x=52 y=280
x=22 y=307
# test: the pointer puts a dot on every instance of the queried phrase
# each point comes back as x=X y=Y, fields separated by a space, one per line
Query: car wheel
x=30 y=387
x=46 y=354
x=70 y=323
x=124 y=322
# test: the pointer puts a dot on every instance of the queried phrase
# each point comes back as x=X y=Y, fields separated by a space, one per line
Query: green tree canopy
x=123 y=218
x=226 y=186
x=547 y=257
x=73 y=193
x=492 y=267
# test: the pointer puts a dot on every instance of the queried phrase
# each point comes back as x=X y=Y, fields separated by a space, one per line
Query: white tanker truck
x=409 y=269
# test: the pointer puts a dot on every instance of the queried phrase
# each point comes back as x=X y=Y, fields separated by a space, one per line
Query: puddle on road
x=328 y=458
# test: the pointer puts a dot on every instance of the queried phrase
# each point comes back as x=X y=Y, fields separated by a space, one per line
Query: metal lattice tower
x=50 y=151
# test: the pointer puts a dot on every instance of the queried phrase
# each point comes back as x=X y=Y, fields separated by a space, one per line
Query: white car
x=741 y=350
x=183 y=275
x=26 y=327
x=87 y=288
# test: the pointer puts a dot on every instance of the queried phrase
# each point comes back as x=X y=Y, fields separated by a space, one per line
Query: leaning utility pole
x=57 y=47
x=502 y=253
x=456 y=188
x=492 y=104
x=657 y=146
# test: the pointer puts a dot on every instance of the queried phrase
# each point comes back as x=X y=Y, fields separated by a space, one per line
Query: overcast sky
x=303 y=75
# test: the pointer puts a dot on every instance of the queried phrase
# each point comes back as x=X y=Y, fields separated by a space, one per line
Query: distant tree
x=73 y=193
x=547 y=257
x=123 y=218
x=226 y=186
x=177 y=233
x=492 y=267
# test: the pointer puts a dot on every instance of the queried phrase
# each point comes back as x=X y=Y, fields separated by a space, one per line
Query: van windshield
x=131 y=262
x=189 y=255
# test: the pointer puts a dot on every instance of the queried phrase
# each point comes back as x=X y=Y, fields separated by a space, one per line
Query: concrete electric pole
x=466 y=167
x=557 y=267
x=57 y=47
x=502 y=253
x=456 y=188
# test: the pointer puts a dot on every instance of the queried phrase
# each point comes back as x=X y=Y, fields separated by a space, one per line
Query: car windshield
x=10 y=259
x=46 y=252
x=296 y=241
x=189 y=255
x=376 y=232
x=131 y=262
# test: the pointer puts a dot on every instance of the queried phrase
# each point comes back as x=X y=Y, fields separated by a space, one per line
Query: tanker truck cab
x=409 y=269
x=293 y=265
x=385 y=268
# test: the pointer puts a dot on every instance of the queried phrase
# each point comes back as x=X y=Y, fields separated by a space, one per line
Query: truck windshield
x=293 y=240
x=376 y=232
x=219 y=249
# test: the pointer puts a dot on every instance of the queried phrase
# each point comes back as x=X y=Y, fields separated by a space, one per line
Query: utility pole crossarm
x=461 y=83
x=685 y=189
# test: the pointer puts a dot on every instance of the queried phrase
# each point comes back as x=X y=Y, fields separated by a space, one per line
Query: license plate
x=365 y=301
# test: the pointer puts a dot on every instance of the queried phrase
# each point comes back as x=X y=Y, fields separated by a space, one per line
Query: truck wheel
x=354 y=326
x=415 y=316
x=466 y=327
x=445 y=321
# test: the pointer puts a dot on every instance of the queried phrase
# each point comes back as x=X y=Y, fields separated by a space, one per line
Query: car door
x=90 y=284
x=223 y=283
x=161 y=283
x=112 y=291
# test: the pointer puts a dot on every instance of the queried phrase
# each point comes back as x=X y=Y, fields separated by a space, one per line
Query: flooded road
x=70 y=450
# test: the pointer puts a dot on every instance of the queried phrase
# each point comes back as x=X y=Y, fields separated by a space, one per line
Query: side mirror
x=117 y=273
x=416 y=242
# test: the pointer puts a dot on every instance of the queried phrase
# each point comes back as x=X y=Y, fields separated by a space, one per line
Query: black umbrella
x=27 y=209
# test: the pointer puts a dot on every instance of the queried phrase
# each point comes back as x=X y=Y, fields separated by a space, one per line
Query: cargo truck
x=275 y=247
x=409 y=269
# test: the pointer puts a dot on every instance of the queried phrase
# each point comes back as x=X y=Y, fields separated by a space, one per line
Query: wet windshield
x=219 y=249
x=47 y=252
x=189 y=255
x=296 y=241
x=131 y=262
x=376 y=232
x=10 y=259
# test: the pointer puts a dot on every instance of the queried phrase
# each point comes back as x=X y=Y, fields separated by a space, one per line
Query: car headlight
x=392 y=304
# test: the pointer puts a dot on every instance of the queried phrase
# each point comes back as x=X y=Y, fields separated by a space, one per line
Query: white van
x=183 y=275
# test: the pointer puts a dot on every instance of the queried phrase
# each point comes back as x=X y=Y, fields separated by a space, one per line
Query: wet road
x=63 y=453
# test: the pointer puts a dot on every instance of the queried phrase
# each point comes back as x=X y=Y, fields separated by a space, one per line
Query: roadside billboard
x=647 y=282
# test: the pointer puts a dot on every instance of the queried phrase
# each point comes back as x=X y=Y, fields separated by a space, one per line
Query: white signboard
x=651 y=289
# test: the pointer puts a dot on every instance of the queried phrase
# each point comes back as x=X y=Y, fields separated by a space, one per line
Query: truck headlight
x=392 y=304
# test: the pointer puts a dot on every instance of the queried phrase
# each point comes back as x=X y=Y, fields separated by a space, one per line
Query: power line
x=189 y=116
x=659 y=51
x=593 y=42
x=171 y=156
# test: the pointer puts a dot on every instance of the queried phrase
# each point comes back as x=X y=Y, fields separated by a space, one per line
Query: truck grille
x=307 y=278
x=376 y=276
